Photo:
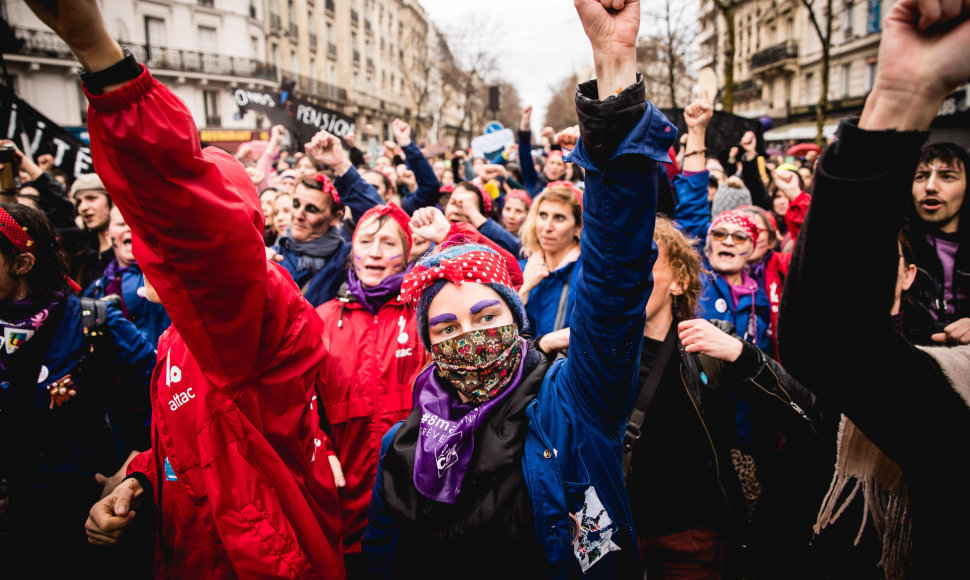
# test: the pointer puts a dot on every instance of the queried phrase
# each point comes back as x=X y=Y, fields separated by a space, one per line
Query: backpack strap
x=647 y=391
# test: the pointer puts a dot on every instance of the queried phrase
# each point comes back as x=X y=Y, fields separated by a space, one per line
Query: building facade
x=352 y=56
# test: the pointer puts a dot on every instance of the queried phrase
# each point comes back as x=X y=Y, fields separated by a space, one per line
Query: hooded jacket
x=235 y=471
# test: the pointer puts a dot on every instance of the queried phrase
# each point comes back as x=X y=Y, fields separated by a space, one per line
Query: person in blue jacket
x=313 y=249
x=123 y=278
x=74 y=383
x=551 y=240
x=509 y=461
x=730 y=293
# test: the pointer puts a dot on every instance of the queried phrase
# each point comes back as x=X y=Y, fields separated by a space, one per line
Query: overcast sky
x=538 y=42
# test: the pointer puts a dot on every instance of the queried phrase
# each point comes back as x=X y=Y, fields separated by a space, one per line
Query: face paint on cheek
x=446 y=317
x=479 y=306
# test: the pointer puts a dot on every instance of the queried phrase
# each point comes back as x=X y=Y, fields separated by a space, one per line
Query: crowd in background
x=721 y=329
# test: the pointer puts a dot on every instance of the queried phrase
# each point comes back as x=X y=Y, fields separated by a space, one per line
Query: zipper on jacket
x=717 y=463
x=343 y=303
x=789 y=402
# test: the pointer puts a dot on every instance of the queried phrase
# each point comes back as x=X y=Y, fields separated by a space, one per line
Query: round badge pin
x=721 y=305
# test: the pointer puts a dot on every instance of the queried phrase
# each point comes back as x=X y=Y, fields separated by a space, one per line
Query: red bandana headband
x=738 y=218
x=328 y=187
x=479 y=267
x=519 y=195
x=396 y=213
x=15 y=232
x=570 y=186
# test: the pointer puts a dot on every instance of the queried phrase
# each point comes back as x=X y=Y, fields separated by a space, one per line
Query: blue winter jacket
x=58 y=450
x=572 y=458
x=318 y=287
x=717 y=304
x=150 y=318
x=544 y=299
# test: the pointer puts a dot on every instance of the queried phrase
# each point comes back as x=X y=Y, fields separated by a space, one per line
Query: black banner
x=298 y=116
x=36 y=135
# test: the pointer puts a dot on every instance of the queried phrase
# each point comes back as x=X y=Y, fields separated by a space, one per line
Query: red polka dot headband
x=479 y=267
x=738 y=218
x=14 y=232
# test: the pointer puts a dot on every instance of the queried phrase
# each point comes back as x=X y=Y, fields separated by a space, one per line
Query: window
x=154 y=38
x=294 y=66
x=847 y=22
x=790 y=24
x=809 y=88
x=870 y=75
x=846 y=79
x=208 y=41
x=313 y=70
x=211 y=101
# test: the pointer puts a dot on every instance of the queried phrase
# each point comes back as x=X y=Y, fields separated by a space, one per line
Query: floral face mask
x=479 y=363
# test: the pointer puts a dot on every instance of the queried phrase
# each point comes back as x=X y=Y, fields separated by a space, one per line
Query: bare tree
x=419 y=69
x=663 y=56
x=467 y=81
x=824 y=38
x=561 y=110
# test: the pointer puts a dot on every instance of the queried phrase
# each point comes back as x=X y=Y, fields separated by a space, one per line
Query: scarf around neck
x=446 y=441
x=372 y=298
x=747 y=287
x=313 y=255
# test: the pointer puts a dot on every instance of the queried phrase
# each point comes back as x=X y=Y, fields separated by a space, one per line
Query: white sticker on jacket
x=595 y=531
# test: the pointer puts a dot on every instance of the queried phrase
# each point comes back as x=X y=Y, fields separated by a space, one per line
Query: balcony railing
x=370 y=64
x=356 y=57
x=316 y=88
x=293 y=31
x=745 y=86
x=313 y=41
x=774 y=54
x=47 y=44
x=274 y=22
x=332 y=50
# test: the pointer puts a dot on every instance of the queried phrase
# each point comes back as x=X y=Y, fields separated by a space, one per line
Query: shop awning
x=798 y=132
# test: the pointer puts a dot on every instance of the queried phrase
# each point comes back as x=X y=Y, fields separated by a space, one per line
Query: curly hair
x=48 y=277
x=685 y=264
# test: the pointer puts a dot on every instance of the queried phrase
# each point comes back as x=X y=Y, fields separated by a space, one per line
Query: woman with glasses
x=730 y=292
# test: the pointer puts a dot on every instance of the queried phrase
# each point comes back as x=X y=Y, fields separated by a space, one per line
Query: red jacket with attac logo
x=364 y=391
x=238 y=463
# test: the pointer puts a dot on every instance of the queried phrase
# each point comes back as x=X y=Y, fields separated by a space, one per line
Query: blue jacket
x=717 y=304
x=573 y=447
x=492 y=230
x=544 y=299
x=150 y=318
x=693 y=211
x=429 y=188
x=357 y=196
x=58 y=450
x=534 y=182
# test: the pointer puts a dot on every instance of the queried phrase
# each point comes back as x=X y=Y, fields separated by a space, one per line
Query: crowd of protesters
x=337 y=363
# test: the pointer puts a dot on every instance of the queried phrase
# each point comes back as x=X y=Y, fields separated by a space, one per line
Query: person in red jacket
x=236 y=471
x=368 y=388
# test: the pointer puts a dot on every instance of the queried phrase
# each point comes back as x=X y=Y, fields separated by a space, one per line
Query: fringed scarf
x=862 y=465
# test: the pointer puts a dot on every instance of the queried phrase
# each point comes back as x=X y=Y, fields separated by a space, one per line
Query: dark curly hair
x=48 y=277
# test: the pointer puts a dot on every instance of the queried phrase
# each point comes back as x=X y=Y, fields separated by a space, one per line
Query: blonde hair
x=527 y=233
x=685 y=264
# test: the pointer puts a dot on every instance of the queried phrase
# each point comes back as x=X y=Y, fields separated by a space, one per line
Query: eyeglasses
x=738 y=237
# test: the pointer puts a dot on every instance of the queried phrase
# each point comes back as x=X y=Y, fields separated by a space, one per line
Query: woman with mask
x=504 y=449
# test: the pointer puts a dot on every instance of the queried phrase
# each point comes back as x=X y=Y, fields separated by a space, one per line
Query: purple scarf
x=747 y=287
x=113 y=273
x=446 y=440
x=373 y=297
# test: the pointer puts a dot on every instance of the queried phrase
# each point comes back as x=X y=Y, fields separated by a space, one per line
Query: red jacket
x=364 y=391
x=241 y=486
x=776 y=269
